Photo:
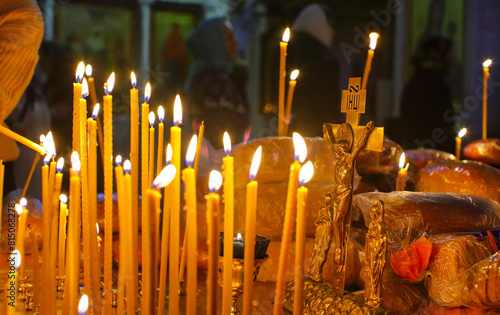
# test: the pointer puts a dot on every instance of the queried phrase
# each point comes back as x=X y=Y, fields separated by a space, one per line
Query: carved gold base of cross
x=353 y=104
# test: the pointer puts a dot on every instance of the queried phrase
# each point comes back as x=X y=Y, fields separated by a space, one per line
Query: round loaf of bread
x=487 y=151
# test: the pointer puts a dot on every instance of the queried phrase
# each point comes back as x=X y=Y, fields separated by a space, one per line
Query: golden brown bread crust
x=385 y=162
x=419 y=158
x=487 y=151
x=464 y=177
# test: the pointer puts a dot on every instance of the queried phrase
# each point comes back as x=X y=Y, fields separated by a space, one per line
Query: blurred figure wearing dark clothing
x=426 y=98
x=316 y=97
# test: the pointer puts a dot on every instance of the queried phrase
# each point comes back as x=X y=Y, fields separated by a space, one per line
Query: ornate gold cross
x=353 y=104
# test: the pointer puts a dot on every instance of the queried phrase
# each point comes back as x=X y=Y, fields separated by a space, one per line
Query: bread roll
x=464 y=177
x=487 y=151
x=419 y=158
x=385 y=162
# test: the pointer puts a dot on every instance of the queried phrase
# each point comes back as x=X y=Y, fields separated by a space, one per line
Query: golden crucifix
x=334 y=219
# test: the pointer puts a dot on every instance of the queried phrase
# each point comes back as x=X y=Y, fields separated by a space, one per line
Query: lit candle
x=458 y=142
x=145 y=183
x=134 y=161
x=402 y=173
x=291 y=201
x=63 y=213
x=83 y=305
x=165 y=238
x=28 y=179
x=149 y=204
x=291 y=88
x=151 y=147
x=201 y=131
x=93 y=100
x=72 y=282
x=22 y=212
x=108 y=192
x=161 y=134
x=306 y=172
x=92 y=184
x=212 y=213
x=251 y=213
x=122 y=259
x=14 y=136
x=54 y=224
x=175 y=141
x=282 y=74
x=228 y=171
x=132 y=279
x=77 y=93
x=486 y=76
x=191 y=226
x=369 y=58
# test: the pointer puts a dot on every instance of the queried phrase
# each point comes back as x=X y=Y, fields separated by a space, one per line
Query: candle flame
x=177 y=111
x=165 y=177
x=19 y=209
x=152 y=119
x=169 y=154
x=254 y=167
x=16 y=257
x=83 y=305
x=215 y=181
x=373 y=40
x=127 y=166
x=97 y=228
x=23 y=202
x=85 y=88
x=49 y=146
x=118 y=160
x=286 y=35
x=306 y=173
x=95 y=112
x=402 y=160
x=487 y=63
x=42 y=138
x=239 y=237
x=161 y=113
x=79 y=72
x=191 y=152
x=63 y=198
x=60 y=165
x=88 y=70
x=227 y=143
x=110 y=84
x=294 y=75
x=462 y=132
x=75 y=162
x=133 y=79
x=147 y=92
x=300 y=148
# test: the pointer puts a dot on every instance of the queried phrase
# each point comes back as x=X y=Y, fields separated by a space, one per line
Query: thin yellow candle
x=53 y=231
x=122 y=259
x=213 y=201
x=92 y=180
x=291 y=201
x=12 y=281
x=134 y=161
x=63 y=213
x=22 y=212
x=201 y=131
x=402 y=173
x=249 y=252
x=28 y=179
x=83 y=305
x=161 y=135
x=369 y=59
x=149 y=204
x=77 y=93
x=36 y=268
x=152 y=119
x=291 y=88
x=46 y=227
x=167 y=193
x=175 y=141
x=458 y=142
x=191 y=226
x=93 y=99
x=228 y=172
x=486 y=76
x=306 y=172
x=282 y=75
x=108 y=193
x=14 y=136
x=72 y=283
x=145 y=183
x=132 y=277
